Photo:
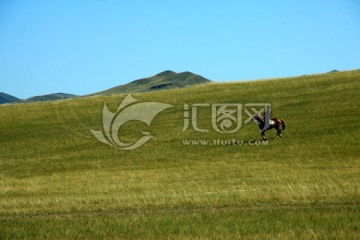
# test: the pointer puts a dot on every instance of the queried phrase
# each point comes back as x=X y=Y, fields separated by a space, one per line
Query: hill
x=57 y=181
x=6 y=98
x=50 y=97
x=161 y=81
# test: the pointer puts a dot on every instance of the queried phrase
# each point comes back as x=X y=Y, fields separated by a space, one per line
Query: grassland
x=58 y=181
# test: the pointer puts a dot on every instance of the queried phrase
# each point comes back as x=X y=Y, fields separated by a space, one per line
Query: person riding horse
x=267 y=123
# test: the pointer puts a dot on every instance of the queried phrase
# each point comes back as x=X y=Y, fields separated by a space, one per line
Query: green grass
x=58 y=181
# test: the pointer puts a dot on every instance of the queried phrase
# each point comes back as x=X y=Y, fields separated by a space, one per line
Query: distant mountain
x=6 y=98
x=50 y=97
x=161 y=81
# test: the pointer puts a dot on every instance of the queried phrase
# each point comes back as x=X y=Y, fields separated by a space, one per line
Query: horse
x=273 y=123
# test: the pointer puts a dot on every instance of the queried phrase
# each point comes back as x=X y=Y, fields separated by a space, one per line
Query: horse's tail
x=283 y=124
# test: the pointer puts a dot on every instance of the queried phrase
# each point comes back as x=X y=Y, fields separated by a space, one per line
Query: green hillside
x=58 y=181
x=163 y=81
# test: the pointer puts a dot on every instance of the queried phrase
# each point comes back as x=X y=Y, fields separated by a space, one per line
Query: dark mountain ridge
x=7 y=98
x=162 y=81
x=50 y=97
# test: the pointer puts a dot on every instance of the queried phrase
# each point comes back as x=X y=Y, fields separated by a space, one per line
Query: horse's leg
x=263 y=135
x=278 y=133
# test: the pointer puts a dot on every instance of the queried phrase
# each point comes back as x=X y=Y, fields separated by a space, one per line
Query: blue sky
x=82 y=47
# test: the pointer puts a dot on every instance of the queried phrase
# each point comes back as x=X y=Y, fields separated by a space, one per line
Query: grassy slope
x=57 y=180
